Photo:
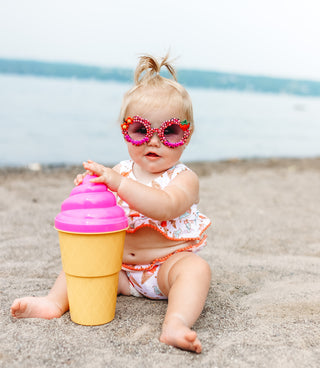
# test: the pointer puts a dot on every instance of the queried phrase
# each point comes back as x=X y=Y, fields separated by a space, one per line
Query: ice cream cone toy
x=91 y=229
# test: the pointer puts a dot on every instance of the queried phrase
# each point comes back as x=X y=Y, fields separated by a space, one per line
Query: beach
x=263 y=307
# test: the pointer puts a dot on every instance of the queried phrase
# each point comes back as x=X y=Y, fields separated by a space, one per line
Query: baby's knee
x=201 y=267
x=194 y=262
x=192 y=265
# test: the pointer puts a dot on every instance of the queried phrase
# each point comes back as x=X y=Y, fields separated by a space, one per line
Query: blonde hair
x=154 y=90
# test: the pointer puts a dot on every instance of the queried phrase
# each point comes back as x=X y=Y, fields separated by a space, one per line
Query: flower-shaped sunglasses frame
x=172 y=133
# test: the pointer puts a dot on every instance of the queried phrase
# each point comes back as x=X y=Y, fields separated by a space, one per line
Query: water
x=66 y=121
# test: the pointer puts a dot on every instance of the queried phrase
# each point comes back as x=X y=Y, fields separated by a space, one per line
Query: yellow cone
x=92 y=263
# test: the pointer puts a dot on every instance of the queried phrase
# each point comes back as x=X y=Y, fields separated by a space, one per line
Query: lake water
x=66 y=121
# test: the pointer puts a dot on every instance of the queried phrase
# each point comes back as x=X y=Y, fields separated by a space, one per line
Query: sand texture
x=263 y=308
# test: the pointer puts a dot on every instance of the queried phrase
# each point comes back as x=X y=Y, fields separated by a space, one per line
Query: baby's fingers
x=99 y=179
x=79 y=178
x=94 y=167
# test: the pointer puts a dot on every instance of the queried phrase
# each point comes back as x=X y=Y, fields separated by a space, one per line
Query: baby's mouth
x=152 y=154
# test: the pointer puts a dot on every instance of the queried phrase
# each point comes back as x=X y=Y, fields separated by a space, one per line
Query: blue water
x=66 y=121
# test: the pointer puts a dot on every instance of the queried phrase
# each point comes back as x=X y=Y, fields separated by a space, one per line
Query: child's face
x=154 y=157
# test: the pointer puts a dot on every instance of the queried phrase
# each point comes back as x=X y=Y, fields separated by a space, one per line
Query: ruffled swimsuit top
x=189 y=226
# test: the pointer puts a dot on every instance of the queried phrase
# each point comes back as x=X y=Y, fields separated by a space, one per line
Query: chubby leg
x=185 y=278
x=54 y=305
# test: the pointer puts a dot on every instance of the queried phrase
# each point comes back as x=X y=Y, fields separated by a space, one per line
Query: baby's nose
x=155 y=140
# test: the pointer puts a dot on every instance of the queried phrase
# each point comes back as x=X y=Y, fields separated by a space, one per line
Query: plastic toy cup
x=91 y=229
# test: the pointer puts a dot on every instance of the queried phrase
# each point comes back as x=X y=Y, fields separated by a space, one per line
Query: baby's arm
x=158 y=204
x=161 y=204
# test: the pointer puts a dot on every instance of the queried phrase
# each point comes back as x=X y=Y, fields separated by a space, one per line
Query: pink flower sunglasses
x=172 y=133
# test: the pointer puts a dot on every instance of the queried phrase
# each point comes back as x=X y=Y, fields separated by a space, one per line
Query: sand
x=263 y=308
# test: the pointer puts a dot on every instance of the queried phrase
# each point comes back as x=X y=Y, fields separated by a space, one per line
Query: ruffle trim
x=132 y=231
x=157 y=261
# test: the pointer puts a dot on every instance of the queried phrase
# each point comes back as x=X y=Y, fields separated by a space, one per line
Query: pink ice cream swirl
x=91 y=208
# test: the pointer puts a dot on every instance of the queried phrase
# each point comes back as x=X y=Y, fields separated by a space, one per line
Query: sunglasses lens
x=173 y=133
x=137 y=131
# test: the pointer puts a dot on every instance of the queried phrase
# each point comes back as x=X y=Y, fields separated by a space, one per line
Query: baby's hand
x=79 y=178
x=106 y=175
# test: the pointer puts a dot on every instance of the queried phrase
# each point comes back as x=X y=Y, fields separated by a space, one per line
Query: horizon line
x=198 y=78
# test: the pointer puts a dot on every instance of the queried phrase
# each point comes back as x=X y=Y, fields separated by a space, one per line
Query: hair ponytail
x=149 y=68
x=152 y=90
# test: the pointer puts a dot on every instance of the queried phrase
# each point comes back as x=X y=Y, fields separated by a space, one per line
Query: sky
x=277 y=38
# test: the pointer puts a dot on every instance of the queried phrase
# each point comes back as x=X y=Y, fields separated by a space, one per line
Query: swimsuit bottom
x=143 y=279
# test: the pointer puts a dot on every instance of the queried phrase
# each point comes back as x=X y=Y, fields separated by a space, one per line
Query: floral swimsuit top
x=189 y=226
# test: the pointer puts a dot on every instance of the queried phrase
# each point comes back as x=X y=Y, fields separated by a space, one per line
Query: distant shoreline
x=202 y=168
x=188 y=77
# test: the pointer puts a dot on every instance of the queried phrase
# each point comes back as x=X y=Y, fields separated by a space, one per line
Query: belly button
x=132 y=255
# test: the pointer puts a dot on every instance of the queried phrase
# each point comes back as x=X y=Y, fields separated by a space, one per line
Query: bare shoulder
x=187 y=176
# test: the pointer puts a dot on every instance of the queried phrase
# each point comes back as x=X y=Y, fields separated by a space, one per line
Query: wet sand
x=263 y=308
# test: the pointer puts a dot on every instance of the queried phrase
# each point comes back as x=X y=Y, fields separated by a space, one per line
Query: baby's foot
x=35 y=307
x=176 y=333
